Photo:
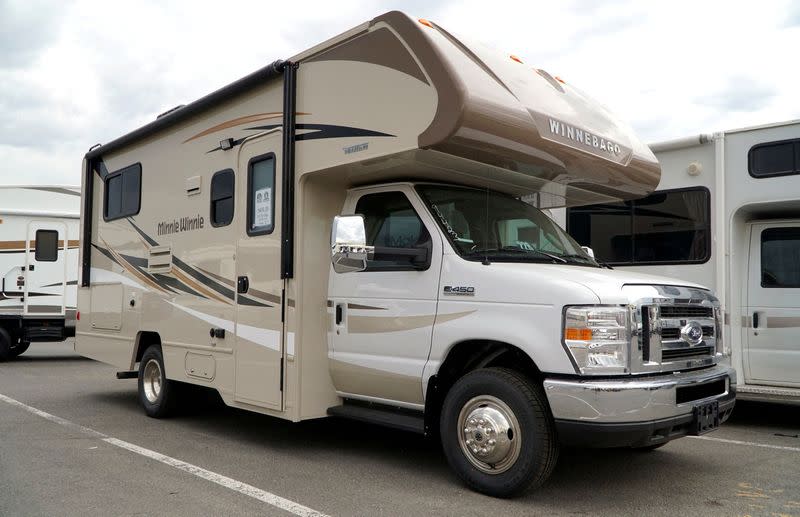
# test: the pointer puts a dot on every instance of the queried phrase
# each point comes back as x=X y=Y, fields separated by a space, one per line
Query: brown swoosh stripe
x=247 y=119
x=381 y=324
x=365 y=307
x=127 y=266
x=20 y=245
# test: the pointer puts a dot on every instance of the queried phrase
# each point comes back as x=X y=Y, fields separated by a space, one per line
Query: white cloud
x=84 y=71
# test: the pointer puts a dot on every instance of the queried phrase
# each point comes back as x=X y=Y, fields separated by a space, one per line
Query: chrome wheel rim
x=151 y=381
x=489 y=434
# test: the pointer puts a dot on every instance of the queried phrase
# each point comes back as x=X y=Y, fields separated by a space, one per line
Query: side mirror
x=589 y=251
x=349 y=250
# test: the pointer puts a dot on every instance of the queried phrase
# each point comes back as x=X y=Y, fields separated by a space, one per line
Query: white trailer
x=345 y=233
x=38 y=264
x=726 y=214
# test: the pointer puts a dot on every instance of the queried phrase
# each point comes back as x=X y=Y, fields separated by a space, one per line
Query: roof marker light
x=425 y=22
x=515 y=58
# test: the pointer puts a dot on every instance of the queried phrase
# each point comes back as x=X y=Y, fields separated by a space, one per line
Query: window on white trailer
x=46 y=245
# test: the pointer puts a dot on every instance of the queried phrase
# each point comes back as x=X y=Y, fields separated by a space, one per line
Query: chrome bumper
x=634 y=399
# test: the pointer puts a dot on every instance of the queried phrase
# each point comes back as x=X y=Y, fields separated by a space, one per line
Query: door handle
x=755 y=320
x=242 y=284
x=339 y=313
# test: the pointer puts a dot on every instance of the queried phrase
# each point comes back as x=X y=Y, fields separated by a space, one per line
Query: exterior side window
x=780 y=255
x=46 y=245
x=666 y=227
x=123 y=193
x=222 y=188
x=774 y=159
x=261 y=195
x=391 y=222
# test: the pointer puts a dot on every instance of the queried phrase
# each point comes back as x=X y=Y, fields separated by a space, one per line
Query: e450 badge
x=459 y=290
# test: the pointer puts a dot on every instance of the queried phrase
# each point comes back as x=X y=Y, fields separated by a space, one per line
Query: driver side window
x=391 y=222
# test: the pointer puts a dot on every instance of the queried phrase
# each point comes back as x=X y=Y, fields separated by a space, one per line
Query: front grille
x=674 y=354
x=686 y=311
x=669 y=334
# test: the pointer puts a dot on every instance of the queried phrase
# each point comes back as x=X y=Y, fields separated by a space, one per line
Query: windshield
x=514 y=231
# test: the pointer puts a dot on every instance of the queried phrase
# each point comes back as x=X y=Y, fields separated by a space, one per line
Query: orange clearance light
x=515 y=58
x=560 y=80
x=574 y=334
x=425 y=22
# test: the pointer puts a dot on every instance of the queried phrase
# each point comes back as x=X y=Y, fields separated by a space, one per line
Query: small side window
x=261 y=195
x=774 y=159
x=222 y=188
x=46 y=245
x=123 y=192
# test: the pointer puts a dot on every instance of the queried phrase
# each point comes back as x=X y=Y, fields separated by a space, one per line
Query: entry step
x=398 y=418
x=768 y=394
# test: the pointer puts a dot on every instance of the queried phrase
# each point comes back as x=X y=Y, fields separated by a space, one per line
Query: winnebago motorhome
x=727 y=214
x=343 y=234
x=39 y=264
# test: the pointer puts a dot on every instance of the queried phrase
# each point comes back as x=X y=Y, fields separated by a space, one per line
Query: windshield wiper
x=588 y=259
x=515 y=249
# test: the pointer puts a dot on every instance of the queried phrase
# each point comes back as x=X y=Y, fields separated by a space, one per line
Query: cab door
x=384 y=316
x=45 y=271
x=773 y=303
x=260 y=289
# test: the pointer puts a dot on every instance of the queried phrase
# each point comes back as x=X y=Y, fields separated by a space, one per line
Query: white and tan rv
x=344 y=233
x=726 y=213
x=38 y=264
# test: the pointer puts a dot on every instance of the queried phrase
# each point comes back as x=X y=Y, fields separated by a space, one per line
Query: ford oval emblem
x=692 y=333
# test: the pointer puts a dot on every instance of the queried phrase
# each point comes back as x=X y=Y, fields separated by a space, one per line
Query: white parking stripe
x=751 y=444
x=219 y=479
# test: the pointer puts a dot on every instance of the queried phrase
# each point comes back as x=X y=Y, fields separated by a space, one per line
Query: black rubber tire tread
x=167 y=402
x=21 y=348
x=529 y=404
x=6 y=352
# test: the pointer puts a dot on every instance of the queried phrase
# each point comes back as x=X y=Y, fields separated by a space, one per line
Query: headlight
x=598 y=338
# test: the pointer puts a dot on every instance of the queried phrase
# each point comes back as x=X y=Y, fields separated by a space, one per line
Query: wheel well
x=465 y=357
x=143 y=341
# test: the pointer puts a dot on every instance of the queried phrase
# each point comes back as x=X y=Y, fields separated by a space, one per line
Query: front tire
x=497 y=432
x=21 y=348
x=157 y=394
x=6 y=351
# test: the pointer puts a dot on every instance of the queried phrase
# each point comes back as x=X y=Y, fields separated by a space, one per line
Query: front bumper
x=636 y=411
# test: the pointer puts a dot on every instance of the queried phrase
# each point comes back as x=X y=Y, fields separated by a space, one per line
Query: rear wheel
x=497 y=432
x=6 y=351
x=157 y=394
x=20 y=348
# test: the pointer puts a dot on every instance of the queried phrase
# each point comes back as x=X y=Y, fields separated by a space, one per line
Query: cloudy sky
x=77 y=72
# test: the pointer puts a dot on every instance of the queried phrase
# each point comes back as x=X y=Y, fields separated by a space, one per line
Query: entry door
x=45 y=269
x=773 y=300
x=384 y=316
x=259 y=329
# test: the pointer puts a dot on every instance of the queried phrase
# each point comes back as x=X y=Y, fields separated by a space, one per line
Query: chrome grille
x=686 y=311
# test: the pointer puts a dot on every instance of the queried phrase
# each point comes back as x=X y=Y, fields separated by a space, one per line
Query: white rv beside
x=726 y=214
x=345 y=234
x=38 y=264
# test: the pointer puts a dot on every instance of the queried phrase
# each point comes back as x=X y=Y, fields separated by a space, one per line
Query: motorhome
x=39 y=264
x=726 y=214
x=346 y=233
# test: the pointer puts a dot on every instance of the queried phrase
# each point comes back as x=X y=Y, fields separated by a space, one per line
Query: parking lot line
x=751 y=444
x=224 y=481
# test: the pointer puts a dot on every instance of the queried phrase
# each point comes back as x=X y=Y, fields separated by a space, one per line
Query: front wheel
x=21 y=347
x=497 y=432
x=157 y=394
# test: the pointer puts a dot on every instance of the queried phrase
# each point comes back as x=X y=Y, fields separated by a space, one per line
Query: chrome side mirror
x=349 y=250
x=589 y=251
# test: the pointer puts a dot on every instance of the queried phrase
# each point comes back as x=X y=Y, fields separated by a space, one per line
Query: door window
x=261 y=195
x=780 y=256
x=391 y=222
x=46 y=245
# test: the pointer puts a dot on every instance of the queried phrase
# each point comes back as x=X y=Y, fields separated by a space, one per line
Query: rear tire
x=157 y=394
x=497 y=432
x=20 y=348
x=6 y=352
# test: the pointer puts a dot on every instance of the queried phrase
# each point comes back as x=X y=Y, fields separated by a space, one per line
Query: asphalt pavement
x=74 y=441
